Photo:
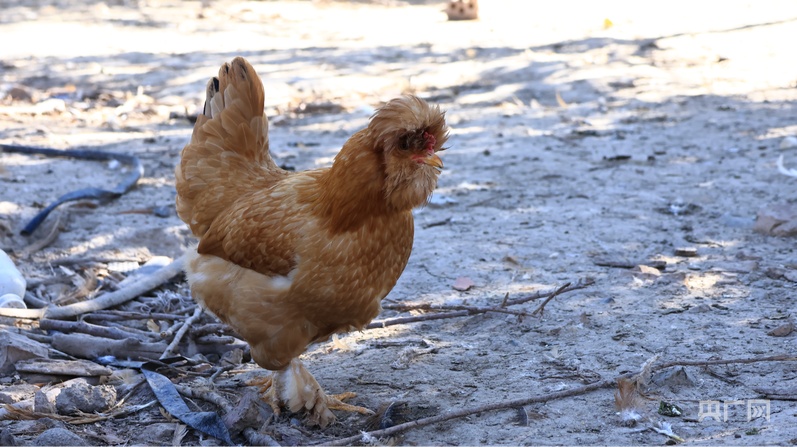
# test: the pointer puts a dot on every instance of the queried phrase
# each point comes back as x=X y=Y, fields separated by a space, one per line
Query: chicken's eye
x=404 y=143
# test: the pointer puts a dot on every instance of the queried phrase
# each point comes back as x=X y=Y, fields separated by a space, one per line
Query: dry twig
x=417 y=318
x=213 y=328
x=582 y=283
x=515 y=403
x=170 y=350
x=463 y=311
x=121 y=315
x=91 y=347
x=539 y=310
x=447 y=307
x=86 y=328
x=21 y=414
x=72 y=260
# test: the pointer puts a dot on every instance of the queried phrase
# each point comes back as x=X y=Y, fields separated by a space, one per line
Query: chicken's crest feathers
x=404 y=116
x=409 y=131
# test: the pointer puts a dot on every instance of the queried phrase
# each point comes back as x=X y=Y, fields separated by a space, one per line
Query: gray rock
x=17 y=393
x=82 y=397
x=16 y=347
x=156 y=434
x=673 y=377
x=700 y=308
x=7 y=438
x=58 y=436
x=42 y=403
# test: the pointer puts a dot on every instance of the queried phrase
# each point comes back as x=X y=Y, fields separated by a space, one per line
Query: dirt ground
x=589 y=140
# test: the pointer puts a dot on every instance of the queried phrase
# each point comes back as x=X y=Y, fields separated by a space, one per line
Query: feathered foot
x=295 y=388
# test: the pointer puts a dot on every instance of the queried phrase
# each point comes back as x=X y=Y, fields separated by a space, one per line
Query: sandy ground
x=584 y=135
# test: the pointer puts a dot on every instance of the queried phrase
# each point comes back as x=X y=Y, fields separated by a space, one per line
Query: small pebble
x=702 y=308
x=782 y=331
x=672 y=377
x=687 y=252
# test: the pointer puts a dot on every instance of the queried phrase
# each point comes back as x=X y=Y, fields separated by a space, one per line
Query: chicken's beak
x=434 y=161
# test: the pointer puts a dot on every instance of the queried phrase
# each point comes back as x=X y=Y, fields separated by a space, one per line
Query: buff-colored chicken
x=288 y=259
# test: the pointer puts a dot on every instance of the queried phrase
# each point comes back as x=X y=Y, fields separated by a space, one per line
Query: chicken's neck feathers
x=352 y=190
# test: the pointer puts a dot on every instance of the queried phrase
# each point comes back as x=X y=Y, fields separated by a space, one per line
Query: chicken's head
x=409 y=132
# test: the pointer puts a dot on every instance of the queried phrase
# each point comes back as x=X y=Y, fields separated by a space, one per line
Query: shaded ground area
x=605 y=141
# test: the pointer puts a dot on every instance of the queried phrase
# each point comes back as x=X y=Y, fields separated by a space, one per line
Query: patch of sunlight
x=9 y=208
x=94 y=242
x=22 y=160
x=778 y=132
x=702 y=282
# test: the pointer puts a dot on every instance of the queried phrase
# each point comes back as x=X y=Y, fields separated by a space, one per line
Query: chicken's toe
x=335 y=402
x=268 y=391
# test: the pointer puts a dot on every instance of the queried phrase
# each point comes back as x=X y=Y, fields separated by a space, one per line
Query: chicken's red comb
x=430 y=140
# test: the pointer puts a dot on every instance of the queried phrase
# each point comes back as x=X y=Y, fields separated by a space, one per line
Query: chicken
x=288 y=259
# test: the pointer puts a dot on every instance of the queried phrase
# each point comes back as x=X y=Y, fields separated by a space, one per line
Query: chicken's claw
x=297 y=390
x=269 y=395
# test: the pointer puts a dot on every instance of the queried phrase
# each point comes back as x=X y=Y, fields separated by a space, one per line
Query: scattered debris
x=668 y=409
x=407 y=355
x=250 y=411
x=206 y=422
x=679 y=208
x=665 y=428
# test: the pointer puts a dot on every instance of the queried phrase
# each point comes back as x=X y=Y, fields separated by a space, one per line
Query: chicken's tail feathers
x=228 y=152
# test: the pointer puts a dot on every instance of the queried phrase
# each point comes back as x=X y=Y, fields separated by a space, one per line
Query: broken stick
x=104 y=301
x=170 y=350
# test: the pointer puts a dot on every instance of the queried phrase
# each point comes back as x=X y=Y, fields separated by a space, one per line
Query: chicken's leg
x=295 y=389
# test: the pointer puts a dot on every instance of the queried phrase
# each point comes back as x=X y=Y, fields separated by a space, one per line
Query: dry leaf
x=463 y=283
